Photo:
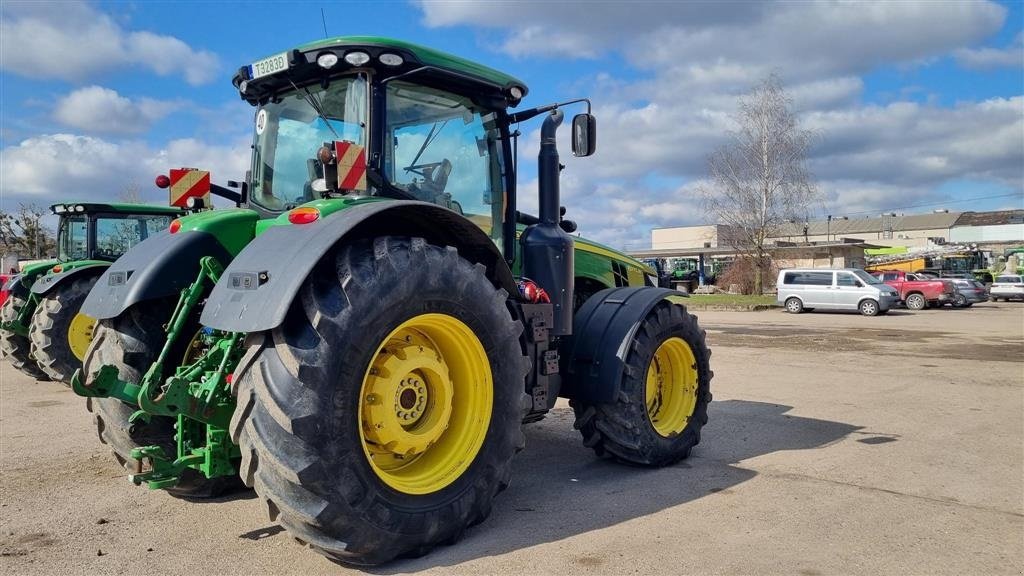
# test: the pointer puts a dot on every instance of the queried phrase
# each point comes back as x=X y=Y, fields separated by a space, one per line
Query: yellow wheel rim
x=671 y=394
x=80 y=334
x=425 y=404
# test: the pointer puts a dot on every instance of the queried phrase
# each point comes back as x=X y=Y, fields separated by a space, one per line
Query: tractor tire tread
x=622 y=428
x=50 y=323
x=324 y=492
x=17 y=349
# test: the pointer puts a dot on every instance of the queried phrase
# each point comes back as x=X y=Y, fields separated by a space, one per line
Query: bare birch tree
x=25 y=233
x=759 y=179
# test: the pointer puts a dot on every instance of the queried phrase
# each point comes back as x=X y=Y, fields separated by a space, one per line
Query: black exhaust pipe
x=547 y=249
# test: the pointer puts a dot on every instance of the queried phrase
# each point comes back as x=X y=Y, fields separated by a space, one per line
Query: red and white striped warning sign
x=189 y=183
x=351 y=165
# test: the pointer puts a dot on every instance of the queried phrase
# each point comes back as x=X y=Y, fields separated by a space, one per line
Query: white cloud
x=986 y=58
x=74 y=41
x=98 y=109
x=823 y=36
x=657 y=131
x=37 y=169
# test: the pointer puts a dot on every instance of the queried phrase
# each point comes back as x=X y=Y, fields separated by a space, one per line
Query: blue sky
x=917 y=105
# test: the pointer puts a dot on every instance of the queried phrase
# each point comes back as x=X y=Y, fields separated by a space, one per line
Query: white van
x=845 y=289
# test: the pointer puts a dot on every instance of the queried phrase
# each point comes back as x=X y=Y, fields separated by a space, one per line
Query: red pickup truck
x=917 y=291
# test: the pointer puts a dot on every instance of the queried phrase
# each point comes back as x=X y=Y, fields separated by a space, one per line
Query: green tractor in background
x=362 y=338
x=42 y=332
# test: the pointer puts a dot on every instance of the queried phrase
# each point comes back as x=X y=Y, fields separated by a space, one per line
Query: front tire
x=323 y=402
x=868 y=307
x=131 y=342
x=60 y=333
x=17 y=349
x=657 y=416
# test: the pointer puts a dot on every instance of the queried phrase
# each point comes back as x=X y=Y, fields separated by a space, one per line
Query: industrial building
x=841 y=241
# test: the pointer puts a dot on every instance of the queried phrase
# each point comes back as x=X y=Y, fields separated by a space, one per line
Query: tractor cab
x=91 y=231
x=371 y=117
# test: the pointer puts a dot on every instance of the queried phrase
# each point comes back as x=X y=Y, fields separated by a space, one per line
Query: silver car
x=802 y=289
x=1007 y=287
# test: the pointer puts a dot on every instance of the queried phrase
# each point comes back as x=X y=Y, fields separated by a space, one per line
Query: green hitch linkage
x=210 y=269
x=163 y=472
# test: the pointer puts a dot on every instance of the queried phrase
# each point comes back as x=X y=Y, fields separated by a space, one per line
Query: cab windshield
x=72 y=239
x=289 y=131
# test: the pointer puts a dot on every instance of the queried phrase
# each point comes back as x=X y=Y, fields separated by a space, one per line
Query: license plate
x=268 y=66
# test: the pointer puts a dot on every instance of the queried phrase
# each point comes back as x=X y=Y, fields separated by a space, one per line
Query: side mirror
x=584 y=135
x=859 y=283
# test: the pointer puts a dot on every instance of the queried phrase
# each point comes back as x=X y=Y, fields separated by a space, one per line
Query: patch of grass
x=738 y=300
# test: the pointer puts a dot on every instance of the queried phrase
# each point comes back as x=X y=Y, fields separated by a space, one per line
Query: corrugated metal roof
x=996 y=218
x=873 y=225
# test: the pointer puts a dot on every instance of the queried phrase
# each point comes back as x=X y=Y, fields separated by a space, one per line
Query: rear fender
x=259 y=285
x=162 y=265
x=48 y=282
x=594 y=356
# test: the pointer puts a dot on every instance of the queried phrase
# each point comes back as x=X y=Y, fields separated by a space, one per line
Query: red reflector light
x=162 y=181
x=175 y=226
x=57 y=268
x=229 y=378
x=303 y=215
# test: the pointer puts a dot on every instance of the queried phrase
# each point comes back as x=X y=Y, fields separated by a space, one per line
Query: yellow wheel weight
x=80 y=334
x=671 y=391
x=425 y=404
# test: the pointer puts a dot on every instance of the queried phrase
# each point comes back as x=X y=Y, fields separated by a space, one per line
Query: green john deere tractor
x=362 y=338
x=42 y=332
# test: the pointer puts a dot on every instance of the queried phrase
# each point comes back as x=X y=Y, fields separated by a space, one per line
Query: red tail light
x=175 y=226
x=57 y=268
x=304 y=215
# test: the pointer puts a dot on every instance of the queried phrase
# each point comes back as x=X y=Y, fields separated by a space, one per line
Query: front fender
x=595 y=355
x=159 y=266
x=258 y=287
x=48 y=281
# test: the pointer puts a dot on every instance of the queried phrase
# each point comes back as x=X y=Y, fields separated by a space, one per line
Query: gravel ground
x=836 y=444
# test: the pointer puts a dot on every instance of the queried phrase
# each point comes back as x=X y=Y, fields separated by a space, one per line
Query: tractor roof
x=302 y=62
x=117 y=207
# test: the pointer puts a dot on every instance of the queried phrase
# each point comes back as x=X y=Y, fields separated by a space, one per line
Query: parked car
x=845 y=289
x=4 y=278
x=1007 y=287
x=918 y=292
x=968 y=293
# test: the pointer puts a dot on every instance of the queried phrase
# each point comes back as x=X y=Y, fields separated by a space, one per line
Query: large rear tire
x=380 y=419
x=60 y=333
x=17 y=349
x=662 y=404
x=131 y=342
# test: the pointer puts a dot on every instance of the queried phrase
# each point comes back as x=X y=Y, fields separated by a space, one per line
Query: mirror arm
x=226 y=193
x=524 y=115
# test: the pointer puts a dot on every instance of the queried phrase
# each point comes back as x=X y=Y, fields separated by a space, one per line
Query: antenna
x=324 y=20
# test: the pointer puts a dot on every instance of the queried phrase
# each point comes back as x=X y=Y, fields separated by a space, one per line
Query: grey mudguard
x=46 y=282
x=604 y=326
x=159 y=266
x=258 y=287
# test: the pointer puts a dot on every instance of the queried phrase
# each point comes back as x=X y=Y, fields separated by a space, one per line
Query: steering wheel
x=419 y=169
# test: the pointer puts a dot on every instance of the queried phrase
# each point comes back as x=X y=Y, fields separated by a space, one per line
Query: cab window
x=114 y=235
x=442 y=148
x=72 y=239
